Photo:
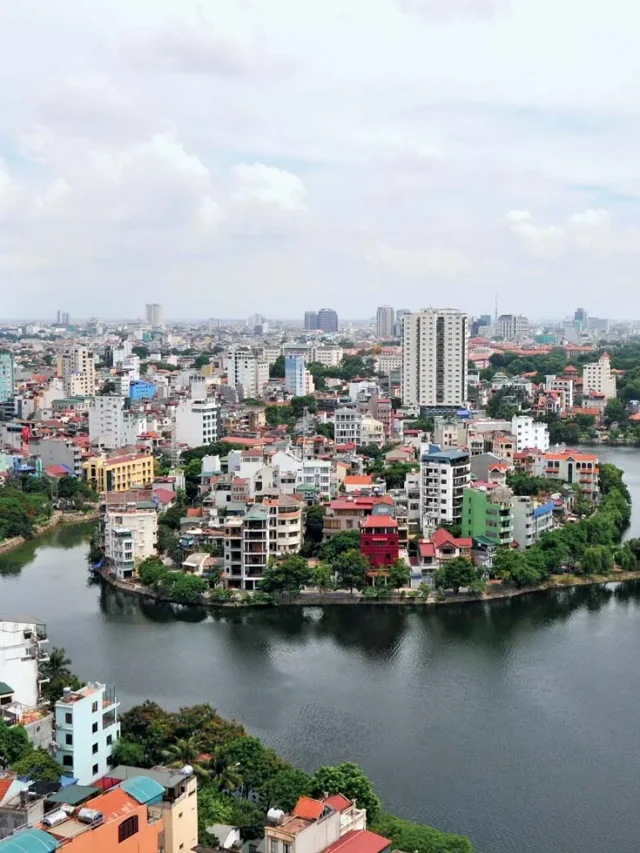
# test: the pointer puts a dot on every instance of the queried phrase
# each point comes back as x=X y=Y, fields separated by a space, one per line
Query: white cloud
x=419 y=262
x=443 y=10
x=583 y=231
x=266 y=185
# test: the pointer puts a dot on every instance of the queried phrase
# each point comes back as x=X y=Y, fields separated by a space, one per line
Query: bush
x=418 y=838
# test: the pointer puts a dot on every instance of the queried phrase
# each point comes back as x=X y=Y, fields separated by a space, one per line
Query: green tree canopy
x=348 y=779
x=351 y=567
x=456 y=573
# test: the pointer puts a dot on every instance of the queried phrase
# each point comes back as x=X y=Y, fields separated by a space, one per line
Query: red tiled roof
x=195 y=512
x=338 y=802
x=426 y=548
x=379 y=521
x=443 y=537
x=308 y=809
x=5 y=784
x=165 y=496
x=359 y=841
x=358 y=480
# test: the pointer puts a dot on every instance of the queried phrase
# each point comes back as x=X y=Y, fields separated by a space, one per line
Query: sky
x=227 y=157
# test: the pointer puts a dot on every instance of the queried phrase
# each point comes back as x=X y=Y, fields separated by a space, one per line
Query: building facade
x=385 y=322
x=379 y=540
x=327 y=320
x=7 y=377
x=87 y=729
x=311 y=321
x=130 y=536
x=529 y=433
x=531 y=519
x=248 y=373
x=347 y=426
x=112 y=424
x=78 y=371
x=512 y=327
x=597 y=378
x=21 y=656
x=197 y=422
x=434 y=359
x=579 y=470
x=444 y=477
x=119 y=473
x=154 y=314
x=487 y=515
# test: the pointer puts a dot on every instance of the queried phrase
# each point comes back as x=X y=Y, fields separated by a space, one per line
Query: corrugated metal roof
x=143 y=789
x=29 y=841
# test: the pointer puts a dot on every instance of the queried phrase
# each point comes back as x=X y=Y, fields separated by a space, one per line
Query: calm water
x=514 y=723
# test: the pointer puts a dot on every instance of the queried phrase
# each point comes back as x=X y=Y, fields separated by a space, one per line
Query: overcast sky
x=232 y=156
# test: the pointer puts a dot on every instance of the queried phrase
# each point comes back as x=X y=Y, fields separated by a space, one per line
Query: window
x=274 y=845
x=68 y=739
x=67 y=761
x=286 y=847
x=109 y=740
x=94 y=770
x=94 y=728
x=94 y=748
x=127 y=828
x=68 y=718
x=94 y=708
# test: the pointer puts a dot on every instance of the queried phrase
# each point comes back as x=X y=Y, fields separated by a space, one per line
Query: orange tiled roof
x=308 y=809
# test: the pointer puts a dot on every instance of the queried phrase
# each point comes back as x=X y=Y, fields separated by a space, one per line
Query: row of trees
x=180 y=587
x=239 y=779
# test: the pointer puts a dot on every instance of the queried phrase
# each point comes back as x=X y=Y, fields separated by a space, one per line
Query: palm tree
x=229 y=778
x=58 y=663
x=186 y=751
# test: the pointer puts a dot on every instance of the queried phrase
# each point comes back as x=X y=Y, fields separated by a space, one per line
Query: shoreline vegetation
x=58 y=519
x=584 y=552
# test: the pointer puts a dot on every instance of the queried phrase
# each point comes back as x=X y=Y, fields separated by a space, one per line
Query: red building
x=379 y=540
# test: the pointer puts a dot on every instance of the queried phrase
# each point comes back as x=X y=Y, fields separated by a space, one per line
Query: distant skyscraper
x=327 y=320
x=155 y=315
x=62 y=318
x=385 y=319
x=401 y=313
x=78 y=372
x=580 y=319
x=512 y=327
x=7 y=376
x=434 y=358
x=311 y=321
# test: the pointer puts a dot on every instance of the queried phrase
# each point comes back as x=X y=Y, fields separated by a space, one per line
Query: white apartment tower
x=112 y=424
x=598 y=378
x=248 y=372
x=434 y=358
x=154 y=314
x=385 y=322
x=78 y=370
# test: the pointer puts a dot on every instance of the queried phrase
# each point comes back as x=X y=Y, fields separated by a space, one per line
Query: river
x=512 y=722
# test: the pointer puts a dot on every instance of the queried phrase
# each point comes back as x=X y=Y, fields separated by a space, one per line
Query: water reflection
x=64 y=537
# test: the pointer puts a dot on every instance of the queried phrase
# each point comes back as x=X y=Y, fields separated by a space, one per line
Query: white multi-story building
x=112 y=424
x=272 y=528
x=130 y=536
x=87 y=729
x=21 y=656
x=444 y=475
x=247 y=372
x=512 y=327
x=154 y=314
x=347 y=426
x=565 y=386
x=328 y=356
x=531 y=520
x=196 y=422
x=291 y=472
x=78 y=370
x=598 y=378
x=371 y=432
x=298 y=381
x=434 y=359
x=385 y=322
x=530 y=435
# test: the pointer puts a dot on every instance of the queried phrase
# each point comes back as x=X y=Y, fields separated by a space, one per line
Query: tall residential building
x=327 y=320
x=7 y=376
x=434 y=358
x=112 y=424
x=512 y=327
x=487 y=514
x=197 y=422
x=385 y=322
x=154 y=314
x=530 y=434
x=297 y=379
x=247 y=372
x=580 y=319
x=78 y=372
x=311 y=321
x=444 y=476
x=347 y=426
x=401 y=313
x=87 y=729
x=62 y=318
x=597 y=378
x=129 y=532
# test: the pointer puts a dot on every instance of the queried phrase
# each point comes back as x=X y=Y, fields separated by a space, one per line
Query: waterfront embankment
x=57 y=519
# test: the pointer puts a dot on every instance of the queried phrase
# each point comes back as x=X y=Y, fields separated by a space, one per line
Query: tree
x=597 y=560
x=417 y=838
x=299 y=404
x=286 y=576
x=14 y=744
x=256 y=763
x=276 y=371
x=526 y=486
x=283 y=790
x=323 y=576
x=185 y=589
x=348 y=779
x=151 y=570
x=129 y=753
x=314 y=524
x=456 y=573
x=626 y=559
x=614 y=412
x=38 y=766
x=399 y=574
x=351 y=568
x=56 y=671
x=186 y=751
x=336 y=545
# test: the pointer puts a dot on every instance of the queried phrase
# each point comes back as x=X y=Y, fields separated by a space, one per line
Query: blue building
x=141 y=389
x=294 y=375
x=7 y=376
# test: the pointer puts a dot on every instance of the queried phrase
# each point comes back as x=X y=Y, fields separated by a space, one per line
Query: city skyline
x=235 y=155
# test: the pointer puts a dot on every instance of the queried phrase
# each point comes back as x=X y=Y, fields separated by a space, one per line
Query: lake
x=512 y=722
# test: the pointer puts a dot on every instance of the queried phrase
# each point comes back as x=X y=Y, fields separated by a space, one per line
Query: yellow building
x=119 y=473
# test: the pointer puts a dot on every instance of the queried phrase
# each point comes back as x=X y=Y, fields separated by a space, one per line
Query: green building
x=487 y=515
